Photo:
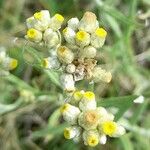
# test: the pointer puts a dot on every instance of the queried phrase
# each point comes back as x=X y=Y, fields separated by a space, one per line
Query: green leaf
x=138 y=112
x=122 y=103
x=126 y=142
x=7 y=108
x=49 y=130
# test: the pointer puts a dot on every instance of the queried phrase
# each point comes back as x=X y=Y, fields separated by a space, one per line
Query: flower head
x=95 y=123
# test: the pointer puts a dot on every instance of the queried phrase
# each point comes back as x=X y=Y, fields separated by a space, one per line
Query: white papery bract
x=67 y=82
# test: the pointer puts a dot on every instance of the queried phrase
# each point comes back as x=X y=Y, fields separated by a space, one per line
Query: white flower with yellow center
x=100 y=74
x=98 y=38
x=67 y=82
x=51 y=38
x=12 y=63
x=91 y=138
x=88 y=22
x=88 y=101
x=109 y=128
x=40 y=20
x=56 y=22
x=72 y=132
x=70 y=113
x=76 y=97
x=34 y=35
x=82 y=38
x=65 y=55
x=73 y=23
x=69 y=35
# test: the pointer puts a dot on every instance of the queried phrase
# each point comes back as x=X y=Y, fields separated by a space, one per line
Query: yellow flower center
x=89 y=95
x=101 y=32
x=109 y=127
x=32 y=33
x=13 y=64
x=78 y=95
x=59 y=17
x=65 y=30
x=38 y=15
x=64 y=108
x=92 y=141
x=67 y=133
x=91 y=117
x=45 y=63
x=81 y=35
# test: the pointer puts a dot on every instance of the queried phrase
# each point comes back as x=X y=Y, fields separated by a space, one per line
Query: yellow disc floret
x=67 y=133
x=89 y=95
x=92 y=140
x=13 y=64
x=59 y=17
x=81 y=35
x=45 y=63
x=64 y=108
x=38 y=15
x=101 y=32
x=32 y=33
x=65 y=30
x=78 y=95
x=109 y=127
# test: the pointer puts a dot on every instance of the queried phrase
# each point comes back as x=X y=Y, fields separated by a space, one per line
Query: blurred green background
x=30 y=96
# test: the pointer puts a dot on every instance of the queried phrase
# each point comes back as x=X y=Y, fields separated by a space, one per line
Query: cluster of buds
x=43 y=29
x=88 y=122
x=6 y=63
x=77 y=56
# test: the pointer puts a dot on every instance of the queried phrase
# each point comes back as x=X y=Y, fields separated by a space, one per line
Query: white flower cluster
x=6 y=63
x=87 y=121
x=44 y=30
x=77 y=56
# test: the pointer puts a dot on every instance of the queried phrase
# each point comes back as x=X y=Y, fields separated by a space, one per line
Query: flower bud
x=87 y=52
x=91 y=138
x=65 y=55
x=98 y=37
x=28 y=96
x=73 y=23
x=12 y=64
x=82 y=38
x=67 y=82
x=104 y=115
x=72 y=132
x=30 y=22
x=70 y=113
x=51 y=63
x=101 y=75
x=70 y=68
x=34 y=35
x=51 y=38
x=102 y=139
x=119 y=131
x=40 y=20
x=56 y=22
x=69 y=35
x=88 y=22
x=89 y=119
x=88 y=101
